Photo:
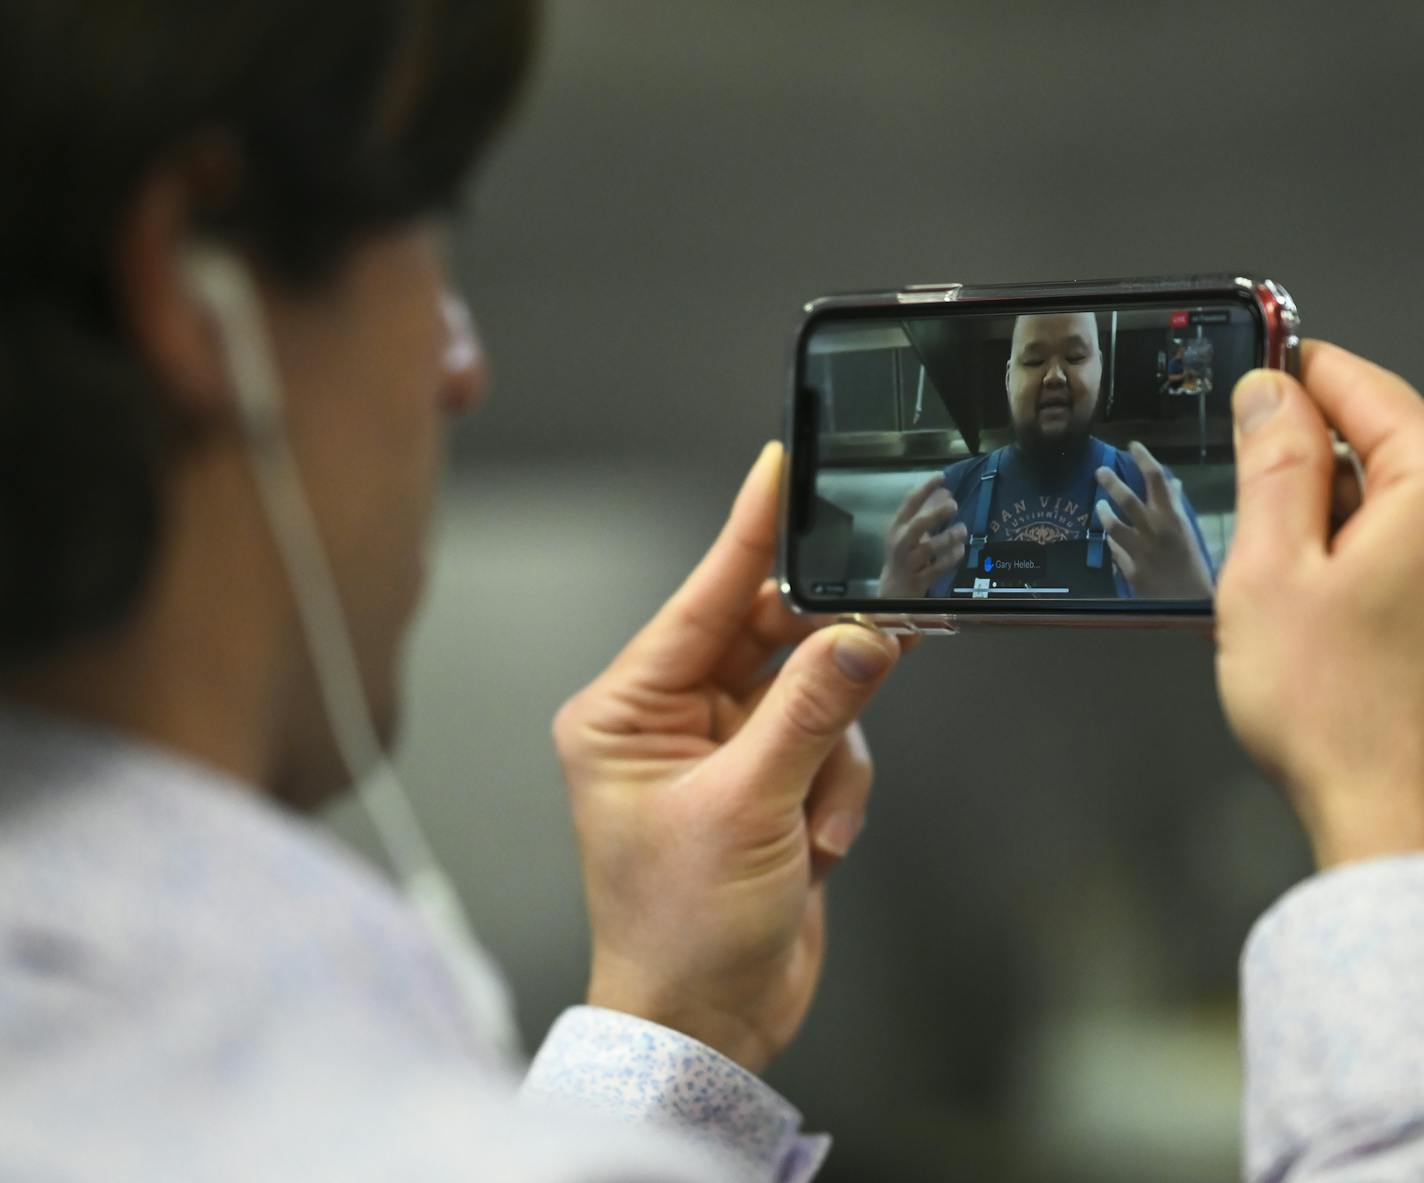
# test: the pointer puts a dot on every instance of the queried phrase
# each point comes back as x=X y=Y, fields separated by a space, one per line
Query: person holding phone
x=1112 y=522
x=229 y=348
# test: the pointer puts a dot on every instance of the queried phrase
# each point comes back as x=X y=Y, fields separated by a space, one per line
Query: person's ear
x=170 y=323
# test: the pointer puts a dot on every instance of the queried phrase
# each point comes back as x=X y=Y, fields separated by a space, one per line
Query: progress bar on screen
x=1011 y=591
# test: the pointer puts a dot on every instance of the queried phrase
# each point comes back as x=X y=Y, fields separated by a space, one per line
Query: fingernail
x=1102 y=474
x=1257 y=395
x=862 y=654
x=839 y=832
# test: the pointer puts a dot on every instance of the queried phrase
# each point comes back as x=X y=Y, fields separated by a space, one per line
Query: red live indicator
x=1180 y=320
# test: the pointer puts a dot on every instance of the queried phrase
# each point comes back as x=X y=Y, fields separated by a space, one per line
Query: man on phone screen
x=1059 y=506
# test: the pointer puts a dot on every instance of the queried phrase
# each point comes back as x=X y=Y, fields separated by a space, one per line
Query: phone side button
x=931 y=626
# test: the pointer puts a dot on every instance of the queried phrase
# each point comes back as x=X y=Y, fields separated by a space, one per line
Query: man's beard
x=1053 y=457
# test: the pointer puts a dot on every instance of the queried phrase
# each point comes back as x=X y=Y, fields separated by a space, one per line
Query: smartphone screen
x=1069 y=457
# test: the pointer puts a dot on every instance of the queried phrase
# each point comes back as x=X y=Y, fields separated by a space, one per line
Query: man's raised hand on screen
x=1152 y=542
x=918 y=548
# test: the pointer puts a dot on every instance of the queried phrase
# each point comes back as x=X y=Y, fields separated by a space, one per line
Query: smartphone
x=1017 y=454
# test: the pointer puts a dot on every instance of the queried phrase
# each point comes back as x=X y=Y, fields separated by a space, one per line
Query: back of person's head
x=307 y=124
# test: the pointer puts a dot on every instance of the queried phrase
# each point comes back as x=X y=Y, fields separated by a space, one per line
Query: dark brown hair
x=342 y=117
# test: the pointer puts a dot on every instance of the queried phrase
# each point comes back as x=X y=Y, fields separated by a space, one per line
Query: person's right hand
x=918 y=549
x=714 y=788
x=1320 y=637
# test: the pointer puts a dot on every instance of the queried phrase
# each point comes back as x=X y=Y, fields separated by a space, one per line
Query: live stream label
x=1012 y=564
x=1007 y=568
x=1185 y=318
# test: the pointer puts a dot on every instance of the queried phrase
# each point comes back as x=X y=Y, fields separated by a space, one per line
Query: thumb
x=1284 y=469
x=817 y=694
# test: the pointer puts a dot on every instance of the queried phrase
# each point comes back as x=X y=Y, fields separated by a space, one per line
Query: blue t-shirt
x=1024 y=509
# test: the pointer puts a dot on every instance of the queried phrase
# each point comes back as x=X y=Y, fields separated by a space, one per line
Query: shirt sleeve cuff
x=1333 y=1019
x=637 y=1071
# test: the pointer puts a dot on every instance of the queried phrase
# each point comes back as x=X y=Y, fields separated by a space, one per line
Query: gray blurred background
x=1033 y=963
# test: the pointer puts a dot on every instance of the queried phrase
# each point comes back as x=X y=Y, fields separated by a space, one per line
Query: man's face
x=1054 y=372
x=374 y=363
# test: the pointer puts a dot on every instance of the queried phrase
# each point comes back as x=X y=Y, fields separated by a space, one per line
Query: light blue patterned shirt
x=198 y=986
x=1333 y=1029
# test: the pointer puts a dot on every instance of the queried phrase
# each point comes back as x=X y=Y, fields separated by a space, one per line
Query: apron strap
x=979 y=535
x=1095 y=534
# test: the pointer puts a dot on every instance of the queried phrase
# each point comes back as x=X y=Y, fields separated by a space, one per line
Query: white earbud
x=223 y=283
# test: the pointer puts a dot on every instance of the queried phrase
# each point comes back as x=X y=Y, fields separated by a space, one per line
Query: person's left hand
x=1155 y=548
x=710 y=798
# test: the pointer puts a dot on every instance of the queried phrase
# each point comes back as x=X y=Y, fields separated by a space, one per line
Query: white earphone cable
x=228 y=290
